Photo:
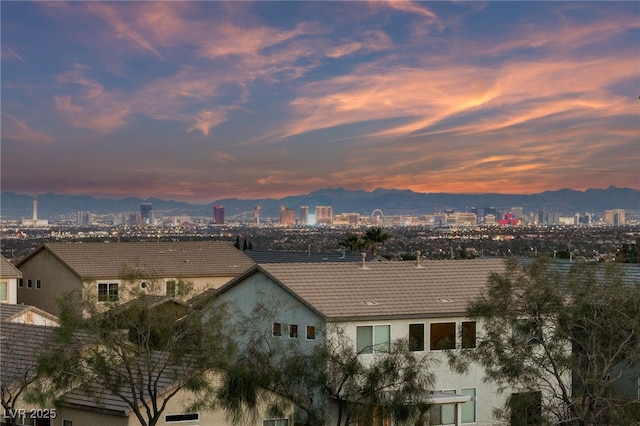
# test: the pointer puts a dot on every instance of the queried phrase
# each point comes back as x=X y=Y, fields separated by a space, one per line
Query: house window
x=277 y=329
x=468 y=334
x=293 y=331
x=107 y=292
x=373 y=339
x=38 y=284
x=3 y=291
x=170 y=288
x=443 y=336
x=311 y=332
x=275 y=422
x=468 y=409
x=29 y=283
x=444 y=414
x=67 y=423
x=173 y=418
x=20 y=282
x=416 y=337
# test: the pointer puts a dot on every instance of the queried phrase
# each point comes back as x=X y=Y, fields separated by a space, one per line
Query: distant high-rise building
x=490 y=210
x=146 y=213
x=324 y=215
x=256 y=215
x=304 y=215
x=614 y=217
x=287 y=216
x=518 y=212
x=218 y=215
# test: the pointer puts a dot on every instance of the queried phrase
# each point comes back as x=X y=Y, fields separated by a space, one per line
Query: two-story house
x=9 y=278
x=57 y=269
x=375 y=303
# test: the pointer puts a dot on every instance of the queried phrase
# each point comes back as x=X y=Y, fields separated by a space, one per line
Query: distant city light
x=311 y=219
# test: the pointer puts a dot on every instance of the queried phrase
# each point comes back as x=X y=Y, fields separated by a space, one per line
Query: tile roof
x=342 y=291
x=94 y=397
x=276 y=256
x=157 y=259
x=7 y=270
x=9 y=311
x=20 y=347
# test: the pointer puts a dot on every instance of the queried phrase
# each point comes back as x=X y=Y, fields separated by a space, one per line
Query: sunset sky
x=198 y=101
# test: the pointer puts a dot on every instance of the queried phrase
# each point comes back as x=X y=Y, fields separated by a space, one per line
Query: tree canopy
x=568 y=336
x=394 y=384
x=144 y=351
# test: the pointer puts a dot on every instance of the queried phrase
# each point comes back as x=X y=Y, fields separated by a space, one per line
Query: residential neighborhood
x=370 y=305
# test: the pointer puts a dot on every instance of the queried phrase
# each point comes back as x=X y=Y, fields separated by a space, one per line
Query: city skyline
x=197 y=101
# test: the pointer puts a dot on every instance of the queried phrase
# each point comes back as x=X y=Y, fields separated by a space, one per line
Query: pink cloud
x=14 y=128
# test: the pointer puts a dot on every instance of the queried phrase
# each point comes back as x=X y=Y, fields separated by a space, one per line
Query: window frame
x=108 y=295
x=182 y=417
x=465 y=335
x=170 y=284
x=293 y=331
x=4 y=284
x=438 y=346
x=374 y=346
x=312 y=335
x=412 y=348
x=473 y=400
x=276 y=326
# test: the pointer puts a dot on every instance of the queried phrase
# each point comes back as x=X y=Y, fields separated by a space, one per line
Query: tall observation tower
x=34 y=221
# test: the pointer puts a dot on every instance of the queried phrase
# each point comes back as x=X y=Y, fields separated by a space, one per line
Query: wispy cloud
x=14 y=128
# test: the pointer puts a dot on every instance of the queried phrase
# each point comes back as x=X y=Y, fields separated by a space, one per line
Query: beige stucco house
x=97 y=269
x=9 y=278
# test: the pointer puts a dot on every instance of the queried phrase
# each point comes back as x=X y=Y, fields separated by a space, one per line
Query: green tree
x=567 y=336
x=373 y=237
x=144 y=351
x=268 y=370
x=353 y=243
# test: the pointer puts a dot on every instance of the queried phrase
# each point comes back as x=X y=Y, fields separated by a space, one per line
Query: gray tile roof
x=9 y=311
x=20 y=347
x=157 y=259
x=93 y=397
x=341 y=291
x=7 y=270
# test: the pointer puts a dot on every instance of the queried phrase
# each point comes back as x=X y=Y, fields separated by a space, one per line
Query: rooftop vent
x=444 y=300
x=370 y=303
x=418 y=256
x=363 y=266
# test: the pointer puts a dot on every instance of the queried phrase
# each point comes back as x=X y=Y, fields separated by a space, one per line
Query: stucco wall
x=56 y=280
x=487 y=396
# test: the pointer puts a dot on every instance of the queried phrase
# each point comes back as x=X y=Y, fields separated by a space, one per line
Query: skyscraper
x=146 y=213
x=218 y=215
x=304 y=215
x=324 y=214
x=287 y=216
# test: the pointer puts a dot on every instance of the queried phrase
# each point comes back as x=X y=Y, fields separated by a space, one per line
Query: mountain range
x=51 y=206
x=389 y=201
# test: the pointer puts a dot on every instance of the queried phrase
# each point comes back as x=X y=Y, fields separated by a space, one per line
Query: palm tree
x=353 y=243
x=373 y=237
